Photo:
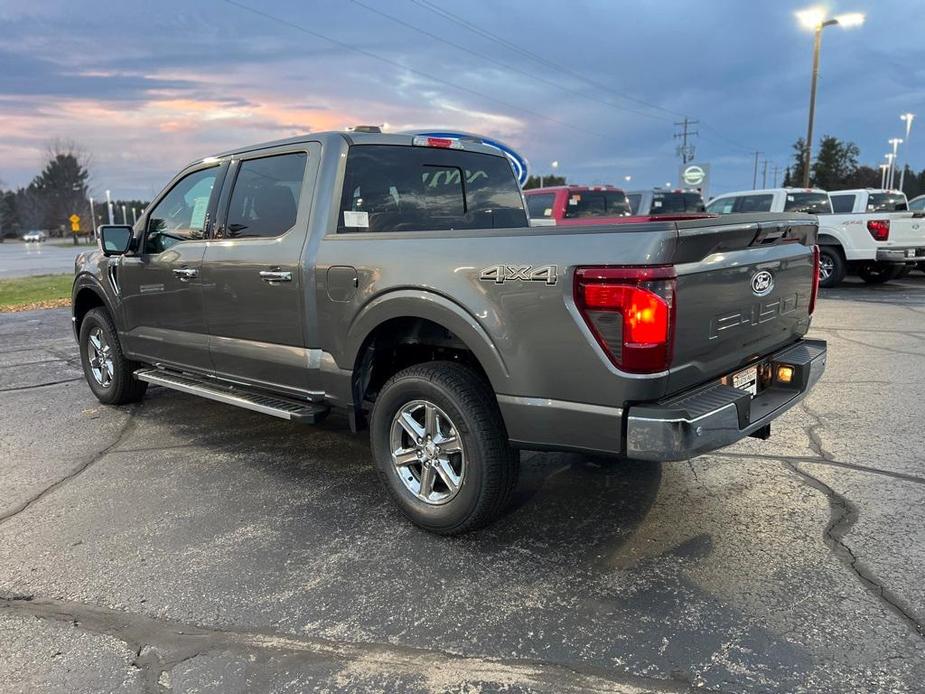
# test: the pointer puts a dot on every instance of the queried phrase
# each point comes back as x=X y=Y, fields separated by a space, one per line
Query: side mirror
x=115 y=239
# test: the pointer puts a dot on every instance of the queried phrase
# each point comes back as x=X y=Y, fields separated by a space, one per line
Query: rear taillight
x=631 y=312
x=879 y=229
x=815 y=290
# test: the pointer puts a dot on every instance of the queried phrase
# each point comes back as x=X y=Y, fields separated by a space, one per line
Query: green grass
x=35 y=292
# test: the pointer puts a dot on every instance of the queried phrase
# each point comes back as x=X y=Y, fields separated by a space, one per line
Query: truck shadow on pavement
x=566 y=501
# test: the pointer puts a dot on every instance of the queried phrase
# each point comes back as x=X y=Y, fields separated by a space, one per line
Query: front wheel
x=108 y=372
x=441 y=449
x=878 y=273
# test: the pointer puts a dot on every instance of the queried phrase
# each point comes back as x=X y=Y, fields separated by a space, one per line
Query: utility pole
x=764 y=174
x=755 y=174
x=685 y=150
x=775 y=169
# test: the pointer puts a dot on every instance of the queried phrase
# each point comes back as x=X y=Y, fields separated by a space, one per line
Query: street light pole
x=808 y=149
x=815 y=19
x=109 y=207
x=896 y=142
x=883 y=170
x=908 y=118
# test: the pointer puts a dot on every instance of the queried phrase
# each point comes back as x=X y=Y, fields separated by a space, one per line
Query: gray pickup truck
x=396 y=278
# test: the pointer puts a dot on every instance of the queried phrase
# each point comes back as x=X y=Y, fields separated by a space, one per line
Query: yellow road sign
x=75 y=222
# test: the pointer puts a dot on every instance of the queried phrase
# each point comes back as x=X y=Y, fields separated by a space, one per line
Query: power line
x=395 y=63
x=484 y=33
x=501 y=63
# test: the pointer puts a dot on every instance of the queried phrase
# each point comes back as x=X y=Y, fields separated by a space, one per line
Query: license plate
x=747 y=380
x=910 y=252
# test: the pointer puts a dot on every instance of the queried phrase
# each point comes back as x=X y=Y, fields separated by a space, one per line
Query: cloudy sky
x=146 y=87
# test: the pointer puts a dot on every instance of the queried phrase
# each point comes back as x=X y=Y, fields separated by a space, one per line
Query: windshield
x=886 y=202
x=814 y=203
x=597 y=203
x=676 y=203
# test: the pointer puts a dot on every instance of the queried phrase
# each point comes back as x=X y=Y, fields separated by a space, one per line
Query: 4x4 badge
x=500 y=274
x=762 y=283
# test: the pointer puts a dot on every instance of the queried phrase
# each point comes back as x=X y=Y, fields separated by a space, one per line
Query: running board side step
x=284 y=408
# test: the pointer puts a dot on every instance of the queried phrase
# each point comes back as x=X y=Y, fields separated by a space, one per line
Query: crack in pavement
x=41 y=385
x=160 y=646
x=843 y=514
x=813 y=460
x=82 y=467
x=892 y=350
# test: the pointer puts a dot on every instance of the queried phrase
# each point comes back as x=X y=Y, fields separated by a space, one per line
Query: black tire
x=491 y=465
x=878 y=273
x=832 y=257
x=120 y=387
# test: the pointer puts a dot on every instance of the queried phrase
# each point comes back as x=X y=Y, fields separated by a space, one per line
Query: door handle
x=186 y=273
x=272 y=276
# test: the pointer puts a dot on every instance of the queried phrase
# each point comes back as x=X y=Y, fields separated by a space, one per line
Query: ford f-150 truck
x=395 y=278
x=876 y=244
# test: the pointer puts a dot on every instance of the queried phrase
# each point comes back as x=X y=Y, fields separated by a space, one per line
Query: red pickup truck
x=575 y=205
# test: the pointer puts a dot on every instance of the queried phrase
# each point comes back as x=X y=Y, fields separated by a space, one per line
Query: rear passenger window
x=754 y=203
x=400 y=188
x=721 y=206
x=842 y=204
x=540 y=205
x=265 y=199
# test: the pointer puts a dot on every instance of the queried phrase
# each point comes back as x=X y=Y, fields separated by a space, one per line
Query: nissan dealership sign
x=695 y=176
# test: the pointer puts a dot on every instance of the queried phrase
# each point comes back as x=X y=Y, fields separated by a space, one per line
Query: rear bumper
x=900 y=255
x=717 y=415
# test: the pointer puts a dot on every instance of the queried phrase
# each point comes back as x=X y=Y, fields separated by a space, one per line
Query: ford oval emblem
x=762 y=283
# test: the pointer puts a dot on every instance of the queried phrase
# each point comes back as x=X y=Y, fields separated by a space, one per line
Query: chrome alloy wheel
x=826 y=266
x=99 y=353
x=427 y=453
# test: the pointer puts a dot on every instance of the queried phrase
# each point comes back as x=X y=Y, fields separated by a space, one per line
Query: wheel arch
x=86 y=295
x=418 y=323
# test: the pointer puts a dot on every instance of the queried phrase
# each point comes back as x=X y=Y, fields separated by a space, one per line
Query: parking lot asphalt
x=19 y=259
x=185 y=545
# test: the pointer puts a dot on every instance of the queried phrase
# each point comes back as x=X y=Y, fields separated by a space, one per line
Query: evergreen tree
x=835 y=164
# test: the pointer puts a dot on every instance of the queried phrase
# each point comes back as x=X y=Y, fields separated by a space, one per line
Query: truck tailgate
x=743 y=291
x=905 y=230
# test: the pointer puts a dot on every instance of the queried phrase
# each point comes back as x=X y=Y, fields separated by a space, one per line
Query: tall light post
x=109 y=207
x=889 y=156
x=815 y=18
x=883 y=169
x=908 y=118
x=896 y=142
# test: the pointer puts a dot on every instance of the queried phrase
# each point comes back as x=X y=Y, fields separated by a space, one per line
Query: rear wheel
x=878 y=273
x=832 y=266
x=441 y=449
x=106 y=369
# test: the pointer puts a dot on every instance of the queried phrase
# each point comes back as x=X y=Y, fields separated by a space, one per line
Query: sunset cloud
x=147 y=88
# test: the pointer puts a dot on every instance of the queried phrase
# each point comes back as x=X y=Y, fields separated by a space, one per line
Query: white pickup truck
x=858 y=232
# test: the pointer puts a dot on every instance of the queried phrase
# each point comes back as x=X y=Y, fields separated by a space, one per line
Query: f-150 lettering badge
x=500 y=274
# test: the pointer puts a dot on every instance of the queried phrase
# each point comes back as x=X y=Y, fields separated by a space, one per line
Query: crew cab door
x=161 y=284
x=253 y=284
